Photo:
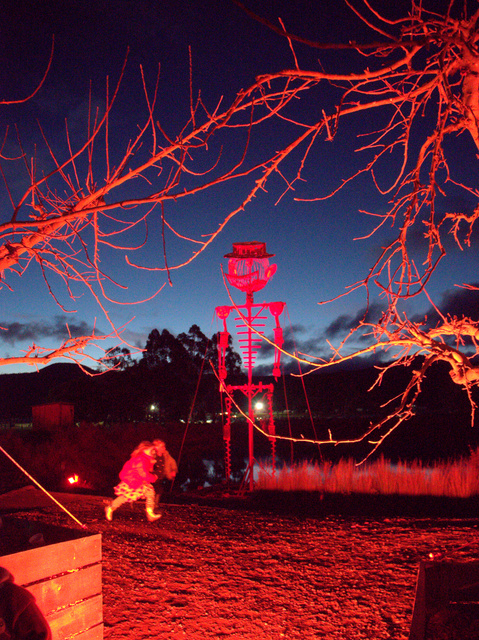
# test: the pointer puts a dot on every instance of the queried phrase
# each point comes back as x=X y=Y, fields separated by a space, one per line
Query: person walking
x=136 y=481
x=165 y=468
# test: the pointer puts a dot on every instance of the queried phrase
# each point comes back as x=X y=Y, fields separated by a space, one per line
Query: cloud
x=59 y=327
x=295 y=342
x=455 y=302
x=314 y=346
x=345 y=323
x=289 y=336
x=461 y=303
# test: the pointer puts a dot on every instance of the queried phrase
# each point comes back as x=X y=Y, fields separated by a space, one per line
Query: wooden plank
x=439 y=584
x=16 y=534
x=464 y=581
x=95 y=633
x=67 y=589
x=35 y=564
x=79 y=618
x=65 y=579
x=448 y=581
x=418 y=623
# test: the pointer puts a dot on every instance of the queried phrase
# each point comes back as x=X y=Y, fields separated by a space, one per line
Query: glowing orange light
x=73 y=479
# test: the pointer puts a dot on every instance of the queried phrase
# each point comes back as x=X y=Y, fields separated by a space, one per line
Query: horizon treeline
x=174 y=384
x=173 y=373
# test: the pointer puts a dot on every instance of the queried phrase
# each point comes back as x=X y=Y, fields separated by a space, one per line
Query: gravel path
x=205 y=572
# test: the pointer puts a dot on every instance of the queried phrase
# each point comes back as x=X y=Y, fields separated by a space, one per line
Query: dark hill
x=20 y=391
x=344 y=403
x=347 y=402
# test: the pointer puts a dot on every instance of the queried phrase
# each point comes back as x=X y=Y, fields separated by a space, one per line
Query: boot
x=151 y=515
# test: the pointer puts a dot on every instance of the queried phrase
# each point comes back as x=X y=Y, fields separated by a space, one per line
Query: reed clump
x=456 y=478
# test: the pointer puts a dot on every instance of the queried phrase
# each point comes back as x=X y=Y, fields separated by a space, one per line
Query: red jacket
x=137 y=471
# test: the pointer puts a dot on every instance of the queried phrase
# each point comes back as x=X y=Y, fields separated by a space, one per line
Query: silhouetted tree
x=117 y=358
x=163 y=349
x=232 y=357
x=196 y=345
x=203 y=352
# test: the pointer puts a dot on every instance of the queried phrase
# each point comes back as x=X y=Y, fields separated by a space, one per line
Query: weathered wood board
x=64 y=576
x=447 y=597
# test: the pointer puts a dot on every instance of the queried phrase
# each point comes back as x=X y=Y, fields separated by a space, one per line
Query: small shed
x=57 y=415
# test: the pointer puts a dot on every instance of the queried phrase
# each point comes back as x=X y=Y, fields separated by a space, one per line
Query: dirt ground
x=205 y=571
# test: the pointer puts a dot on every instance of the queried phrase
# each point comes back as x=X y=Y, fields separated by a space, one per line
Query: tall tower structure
x=249 y=270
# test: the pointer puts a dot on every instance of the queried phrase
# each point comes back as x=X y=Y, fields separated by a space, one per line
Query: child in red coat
x=136 y=482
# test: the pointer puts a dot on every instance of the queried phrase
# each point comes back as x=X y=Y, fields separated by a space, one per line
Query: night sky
x=314 y=243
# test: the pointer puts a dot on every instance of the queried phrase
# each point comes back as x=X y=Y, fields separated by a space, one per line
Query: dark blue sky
x=314 y=244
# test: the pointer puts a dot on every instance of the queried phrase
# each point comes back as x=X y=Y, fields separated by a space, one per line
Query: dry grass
x=458 y=479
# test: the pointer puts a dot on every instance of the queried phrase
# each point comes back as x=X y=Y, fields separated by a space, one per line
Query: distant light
x=259 y=406
x=73 y=479
x=153 y=407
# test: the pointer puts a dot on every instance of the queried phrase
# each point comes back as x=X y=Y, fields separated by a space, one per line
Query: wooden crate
x=447 y=600
x=64 y=575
